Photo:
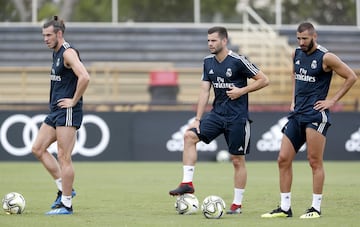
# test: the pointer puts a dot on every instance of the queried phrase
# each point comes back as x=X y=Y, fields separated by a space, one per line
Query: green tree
x=219 y=11
x=8 y=12
x=47 y=11
x=92 y=11
x=156 y=10
x=325 y=12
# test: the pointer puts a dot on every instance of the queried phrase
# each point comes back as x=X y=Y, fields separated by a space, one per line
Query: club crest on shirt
x=313 y=64
x=228 y=72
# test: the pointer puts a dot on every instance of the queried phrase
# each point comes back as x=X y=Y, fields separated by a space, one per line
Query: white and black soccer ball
x=213 y=207
x=223 y=156
x=13 y=203
x=187 y=204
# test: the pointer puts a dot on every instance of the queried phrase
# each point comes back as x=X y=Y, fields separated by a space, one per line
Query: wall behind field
x=158 y=136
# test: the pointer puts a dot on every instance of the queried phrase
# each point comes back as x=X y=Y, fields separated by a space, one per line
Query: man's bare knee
x=190 y=136
x=37 y=151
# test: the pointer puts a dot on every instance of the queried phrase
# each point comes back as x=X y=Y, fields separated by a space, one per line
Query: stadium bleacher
x=184 y=46
x=23 y=46
x=341 y=41
x=120 y=59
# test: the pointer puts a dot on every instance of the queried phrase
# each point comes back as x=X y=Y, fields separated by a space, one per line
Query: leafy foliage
x=325 y=12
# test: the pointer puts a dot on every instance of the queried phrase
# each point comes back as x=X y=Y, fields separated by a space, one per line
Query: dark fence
x=158 y=136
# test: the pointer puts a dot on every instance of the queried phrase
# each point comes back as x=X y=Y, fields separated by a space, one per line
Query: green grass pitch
x=136 y=194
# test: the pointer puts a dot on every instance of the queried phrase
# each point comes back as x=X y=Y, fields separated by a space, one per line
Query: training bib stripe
x=245 y=61
x=247 y=136
x=66 y=45
x=323 y=122
x=69 y=114
x=322 y=49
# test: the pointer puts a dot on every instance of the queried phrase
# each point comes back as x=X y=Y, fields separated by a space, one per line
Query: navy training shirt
x=63 y=80
x=234 y=70
x=311 y=81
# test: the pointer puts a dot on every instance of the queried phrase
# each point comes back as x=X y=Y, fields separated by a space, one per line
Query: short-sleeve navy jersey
x=234 y=70
x=63 y=80
x=311 y=81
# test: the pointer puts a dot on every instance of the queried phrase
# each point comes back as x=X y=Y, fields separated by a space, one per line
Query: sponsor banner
x=158 y=136
x=97 y=138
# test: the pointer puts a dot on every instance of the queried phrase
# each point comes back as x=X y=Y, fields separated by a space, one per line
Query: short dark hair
x=221 y=30
x=57 y=23
x=306 y=26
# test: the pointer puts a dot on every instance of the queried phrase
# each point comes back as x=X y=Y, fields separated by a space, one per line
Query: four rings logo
x=31 y=128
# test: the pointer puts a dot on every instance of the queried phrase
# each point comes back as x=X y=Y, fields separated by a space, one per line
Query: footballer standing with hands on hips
x=69 y=80
x=309 y=119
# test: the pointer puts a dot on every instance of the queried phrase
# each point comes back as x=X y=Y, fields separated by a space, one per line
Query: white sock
x=188 y=173
x=316 y=202
x=66 y=200
x=238 y=196
x=285 y=201
x=58 y=184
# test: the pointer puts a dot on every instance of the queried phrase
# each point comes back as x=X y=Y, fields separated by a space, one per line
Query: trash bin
x=163 y=87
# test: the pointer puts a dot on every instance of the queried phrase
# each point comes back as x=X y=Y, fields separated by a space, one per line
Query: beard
x=55 y=44
x=308 y=47
x=216 y=50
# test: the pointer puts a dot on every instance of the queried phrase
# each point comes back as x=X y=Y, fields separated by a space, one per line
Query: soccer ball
x=187 y=204
x=13 y=203
x=223 y=156
x=213 y=207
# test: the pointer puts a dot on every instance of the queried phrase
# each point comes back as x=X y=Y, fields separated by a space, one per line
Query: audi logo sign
x=158 y=136
x=31 y=128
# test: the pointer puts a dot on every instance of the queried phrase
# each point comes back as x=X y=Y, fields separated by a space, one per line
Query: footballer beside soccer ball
x=187 y=204
x=213 y=207
x=13 y=203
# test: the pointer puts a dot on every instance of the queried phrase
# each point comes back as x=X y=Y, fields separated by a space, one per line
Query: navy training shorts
x=236 y=132
x=295 y=130
x=69 y=117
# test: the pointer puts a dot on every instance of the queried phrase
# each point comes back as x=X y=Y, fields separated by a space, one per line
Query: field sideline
x=136 y=194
